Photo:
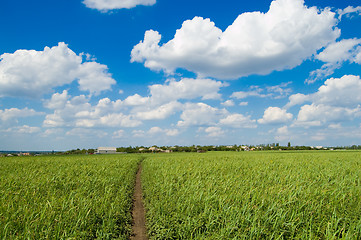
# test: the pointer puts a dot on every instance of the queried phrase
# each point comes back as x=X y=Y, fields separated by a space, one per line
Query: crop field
x=67 y=197
x=214 y=195
x=253 y=195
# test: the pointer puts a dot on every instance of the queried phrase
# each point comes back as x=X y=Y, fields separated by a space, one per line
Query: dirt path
x=139 y=230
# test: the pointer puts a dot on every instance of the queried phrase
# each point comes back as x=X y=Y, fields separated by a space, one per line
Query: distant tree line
x=209 y=148
x=198 y=148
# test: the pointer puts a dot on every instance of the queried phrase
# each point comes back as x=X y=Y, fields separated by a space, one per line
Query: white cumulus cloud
x=349 y=11
x=25 y=129
x=160 y=112
x=275 y=115
x=238 y=121
x=14 y=113
x=118 y=134
x=198 y=114
x=338 y=92
x=334 y=55
x=78 y=112
x=186 y=88
x=319 y=114
x=158 y=130
x=337 y=100
x=256 y=43
x=32 y=73
x=107 y=5
x=214 y=131
x=228 y=103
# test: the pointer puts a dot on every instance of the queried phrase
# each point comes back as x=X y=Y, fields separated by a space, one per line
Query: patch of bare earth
x=139 y=229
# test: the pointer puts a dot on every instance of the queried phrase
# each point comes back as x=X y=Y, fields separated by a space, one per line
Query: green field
x=253 y=195
x=214 y=195
x=66 y=197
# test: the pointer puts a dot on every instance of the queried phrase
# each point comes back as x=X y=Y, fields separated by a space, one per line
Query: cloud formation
x=238 y=121
x=214 y=131
x=337 y=100
x=14 y=113
x=33 y=73
x=167 y=132
x=349 y=12
x=278 y=91
x=200 y=114
x=256 y=43
x=107 y=5
x=161 y=112
x=186 y=88
x=78 y=112
x=334 y=55
x=275 y=115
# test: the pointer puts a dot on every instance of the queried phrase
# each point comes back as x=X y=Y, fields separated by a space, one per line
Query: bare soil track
x=139 y=229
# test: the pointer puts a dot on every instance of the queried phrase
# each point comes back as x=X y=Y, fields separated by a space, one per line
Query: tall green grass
x=67 y=197
x=255 y=195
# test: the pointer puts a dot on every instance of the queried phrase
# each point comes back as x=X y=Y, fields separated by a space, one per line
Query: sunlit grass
x=66 y=197
x=269 y=195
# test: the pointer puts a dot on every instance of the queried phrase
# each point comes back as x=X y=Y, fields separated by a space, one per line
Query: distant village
x=170 y=149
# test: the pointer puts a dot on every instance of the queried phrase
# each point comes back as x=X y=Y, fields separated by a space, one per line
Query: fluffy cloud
x=283 y=130
x=349 y=11
x=278 y=91
x=57 y=100
x=197 y=114
x=118 y=134
x=246 y=94
x=340 y=51
x=15 y=113
x=136 y=100
x=25 y=129
x=163 y=99
x=155 y=130
x=343 y=92
x=32 y=73
x=319 y=114
x=160 y=112
x=338 y=99
x=86 y=133
x=282 y=134
x=297 y=99
x=168 y=132
x=107 y=5
x=138 y=133
x=238 y=121
x=243 y=104
x=172 y=90
x=337 y=92
x=119 y=120
x=186 y=88
x=78 y=112
x=256 y=43
x=214 y=131
x=346 y=50
x=275 y=115
x=228 y=103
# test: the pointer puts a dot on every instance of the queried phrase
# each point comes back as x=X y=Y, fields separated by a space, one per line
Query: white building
x=107 y=150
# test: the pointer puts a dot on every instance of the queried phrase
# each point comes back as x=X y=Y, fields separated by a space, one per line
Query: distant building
x=107 y=150
x=245 y=148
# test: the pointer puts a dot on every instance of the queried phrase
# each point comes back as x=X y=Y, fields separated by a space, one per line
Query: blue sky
x=89 y=73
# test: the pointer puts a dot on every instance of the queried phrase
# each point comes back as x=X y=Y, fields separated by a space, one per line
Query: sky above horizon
x=90 y=73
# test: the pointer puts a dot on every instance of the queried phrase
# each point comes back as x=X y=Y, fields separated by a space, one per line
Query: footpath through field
x=139 y=229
